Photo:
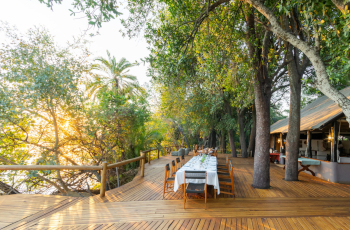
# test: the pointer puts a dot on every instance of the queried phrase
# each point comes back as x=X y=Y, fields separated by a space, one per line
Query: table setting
x=199 y=163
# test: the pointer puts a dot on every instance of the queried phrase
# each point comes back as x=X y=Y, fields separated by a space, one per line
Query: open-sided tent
x=322 y=127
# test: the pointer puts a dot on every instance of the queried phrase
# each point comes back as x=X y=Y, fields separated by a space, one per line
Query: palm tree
x=113 y=75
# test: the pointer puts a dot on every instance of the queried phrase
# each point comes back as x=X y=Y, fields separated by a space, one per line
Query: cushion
x=187 y=151
x=181 y=152
x=175 y=153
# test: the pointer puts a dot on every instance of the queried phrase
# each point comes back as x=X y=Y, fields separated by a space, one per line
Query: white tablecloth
x=212 y=175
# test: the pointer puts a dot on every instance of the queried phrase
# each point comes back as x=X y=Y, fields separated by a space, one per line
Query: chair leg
x=184 y=199
x=233 y=191
x=164 y=190
x=205 y=198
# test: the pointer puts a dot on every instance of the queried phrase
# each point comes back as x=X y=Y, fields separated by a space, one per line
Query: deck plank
x=310 y=203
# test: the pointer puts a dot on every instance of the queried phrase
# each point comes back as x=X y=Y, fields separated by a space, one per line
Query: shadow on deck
x=310 y=203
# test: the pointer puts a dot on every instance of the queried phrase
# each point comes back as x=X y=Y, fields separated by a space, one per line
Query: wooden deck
x=310 y=203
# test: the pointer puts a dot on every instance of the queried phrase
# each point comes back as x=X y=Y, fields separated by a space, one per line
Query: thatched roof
x=315 y=115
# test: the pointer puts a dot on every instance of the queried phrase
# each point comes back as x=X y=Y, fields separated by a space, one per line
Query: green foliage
x=46 y=119
x=96 y=12
x=324 y=22
x=113 y=75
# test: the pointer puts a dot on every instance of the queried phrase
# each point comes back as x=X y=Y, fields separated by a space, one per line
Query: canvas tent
x=322 y=127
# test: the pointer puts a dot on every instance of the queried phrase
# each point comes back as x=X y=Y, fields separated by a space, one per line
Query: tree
x=312 y=50
x=113 y=75
x=39 y=99
x=235 y=31
x=46 y=119
x=97 y=12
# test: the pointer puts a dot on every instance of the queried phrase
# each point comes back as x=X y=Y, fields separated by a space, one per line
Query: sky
x=25 y=14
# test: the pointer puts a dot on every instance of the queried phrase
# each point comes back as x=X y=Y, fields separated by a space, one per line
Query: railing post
x=103 y=179
x=142 y=164
x=149 y=157
x=158 y=153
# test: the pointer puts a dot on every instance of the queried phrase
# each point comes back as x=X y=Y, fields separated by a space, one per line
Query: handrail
x=49 y=167
x=146 y=151
x=150 y=150
x=118 y=164
x=103 y=168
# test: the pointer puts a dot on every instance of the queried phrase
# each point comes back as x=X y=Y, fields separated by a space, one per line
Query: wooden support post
x=158 y=153
x=103 y=179
x=309 y=146
x=281 y=142
x=149 y=157
x=273 y=141
x=335 y=142
x=142 y=164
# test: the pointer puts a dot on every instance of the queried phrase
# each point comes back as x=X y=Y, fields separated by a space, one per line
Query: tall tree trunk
x=262 y=92
x=232 y=142
x=293 y=136
x=182 y=132
x=223 y=141
x=296 y=69
x=231 y=135
x=213 y=138
x=261 y=176
x=251 y=147
x=240 y=114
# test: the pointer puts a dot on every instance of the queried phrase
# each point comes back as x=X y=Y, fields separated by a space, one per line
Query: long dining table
x=209 y=165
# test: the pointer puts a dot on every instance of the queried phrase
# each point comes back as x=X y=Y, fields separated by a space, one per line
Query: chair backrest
x=196 y=175
x=167 y=171
x=178 y=165
x=173 y=166
x=183 y=157
x=231 y=171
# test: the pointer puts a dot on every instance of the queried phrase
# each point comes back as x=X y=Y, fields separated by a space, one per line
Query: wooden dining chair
x=168 y=181
x=173 y=168
x=225 y=173
x=227 y=184
x=178 y=163
x=182 y=160
x=195 y=187
x=224 y=167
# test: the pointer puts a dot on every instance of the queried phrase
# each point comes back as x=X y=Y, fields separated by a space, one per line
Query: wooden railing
x=104 y=167
x=148 y=152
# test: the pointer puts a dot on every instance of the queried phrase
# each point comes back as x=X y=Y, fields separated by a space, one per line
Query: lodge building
x=324 y=136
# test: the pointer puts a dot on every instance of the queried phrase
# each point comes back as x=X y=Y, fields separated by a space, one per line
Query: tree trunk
x=182 y=132
x=240 y=114
x=261 y=176
x=212 y=139
x=232 y=143
x=262 y=91
x=251 y=146
x=312 y=53
x=223 y=141
x=231 y=135
x=293 y=136
x=7 y=189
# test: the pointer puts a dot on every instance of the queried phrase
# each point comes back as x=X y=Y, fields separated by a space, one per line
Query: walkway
x=310 y=203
